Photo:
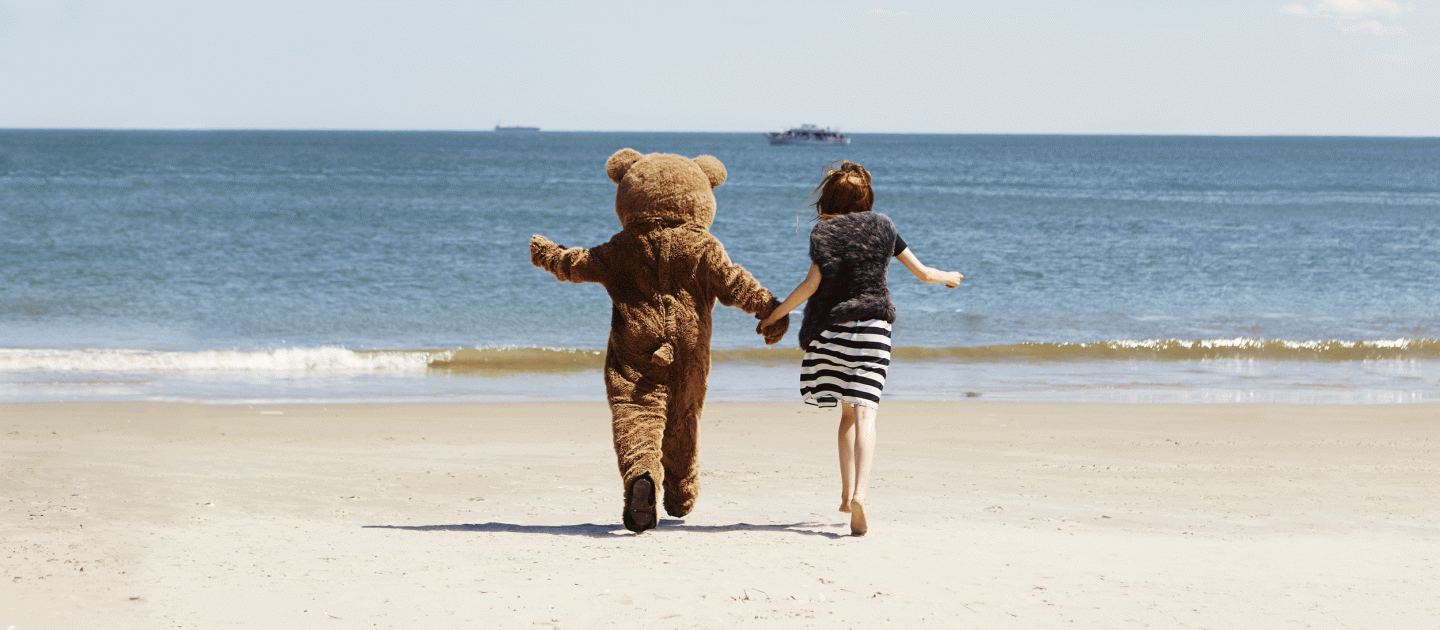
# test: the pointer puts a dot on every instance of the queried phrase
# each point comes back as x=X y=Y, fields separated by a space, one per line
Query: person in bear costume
x=663 y=271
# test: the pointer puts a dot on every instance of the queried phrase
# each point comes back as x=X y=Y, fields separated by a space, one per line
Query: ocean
x=259 y=267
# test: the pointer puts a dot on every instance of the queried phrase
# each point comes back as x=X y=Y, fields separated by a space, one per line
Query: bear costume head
x=671 y=190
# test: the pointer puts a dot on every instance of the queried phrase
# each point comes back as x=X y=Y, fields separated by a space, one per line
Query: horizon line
x=876 y=133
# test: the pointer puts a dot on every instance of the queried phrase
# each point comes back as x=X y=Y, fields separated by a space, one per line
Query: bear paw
x=539 y=247
x=775 y=331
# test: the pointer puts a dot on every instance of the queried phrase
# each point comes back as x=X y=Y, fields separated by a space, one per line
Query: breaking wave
x=497 y=361
x=1332 y=350
x=329 y=359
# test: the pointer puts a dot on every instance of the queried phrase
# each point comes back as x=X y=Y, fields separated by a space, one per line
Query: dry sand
x=982 y=515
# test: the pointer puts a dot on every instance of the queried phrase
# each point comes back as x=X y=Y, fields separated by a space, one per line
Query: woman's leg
x=864 y=449
x=847 y=455
x=857 y=454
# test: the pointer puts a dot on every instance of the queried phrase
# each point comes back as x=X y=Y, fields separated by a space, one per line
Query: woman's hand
x=951 y=279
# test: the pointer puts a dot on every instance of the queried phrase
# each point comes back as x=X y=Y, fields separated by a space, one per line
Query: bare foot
x=857 y=519
x=845 y=506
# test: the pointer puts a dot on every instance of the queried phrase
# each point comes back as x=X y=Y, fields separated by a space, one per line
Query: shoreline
x=982 y=514
x=1217 y=381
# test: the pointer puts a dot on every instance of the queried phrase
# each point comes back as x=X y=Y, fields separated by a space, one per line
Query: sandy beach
x=982 y=515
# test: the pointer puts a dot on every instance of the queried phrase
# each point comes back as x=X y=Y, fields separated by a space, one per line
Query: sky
x=1307 y=67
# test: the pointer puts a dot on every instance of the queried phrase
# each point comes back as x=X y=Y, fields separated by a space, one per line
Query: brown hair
x=845 y=190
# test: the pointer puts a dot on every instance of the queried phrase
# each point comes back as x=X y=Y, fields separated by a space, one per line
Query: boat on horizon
x=808 y=134
x=505 y=127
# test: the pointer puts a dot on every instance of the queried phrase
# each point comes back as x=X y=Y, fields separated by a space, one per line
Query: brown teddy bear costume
x=663 y=272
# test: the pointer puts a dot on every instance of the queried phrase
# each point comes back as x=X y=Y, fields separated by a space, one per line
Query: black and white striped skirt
x=847 y=363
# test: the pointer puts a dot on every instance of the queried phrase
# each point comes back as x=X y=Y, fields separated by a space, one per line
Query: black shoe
x=640 y=504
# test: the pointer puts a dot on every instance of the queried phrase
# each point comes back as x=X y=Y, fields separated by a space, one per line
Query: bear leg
x=638 y=433
x=637 y=409
x=681 y=457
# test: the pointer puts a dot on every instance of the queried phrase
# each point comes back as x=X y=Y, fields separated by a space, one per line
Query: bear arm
x=733 y=285
x=576 y=264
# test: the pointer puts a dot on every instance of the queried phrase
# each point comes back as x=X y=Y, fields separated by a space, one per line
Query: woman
x=848 y=313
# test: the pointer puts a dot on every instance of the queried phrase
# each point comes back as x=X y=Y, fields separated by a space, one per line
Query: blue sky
x=1309 y=67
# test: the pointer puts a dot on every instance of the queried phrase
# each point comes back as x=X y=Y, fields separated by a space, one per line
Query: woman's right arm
x=929 y=275
x=801 y=293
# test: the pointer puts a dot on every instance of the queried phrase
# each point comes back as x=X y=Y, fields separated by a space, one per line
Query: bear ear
x=713 y=169
x=621 y=162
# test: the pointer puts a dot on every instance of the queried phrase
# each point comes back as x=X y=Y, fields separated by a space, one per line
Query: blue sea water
x=245 y=266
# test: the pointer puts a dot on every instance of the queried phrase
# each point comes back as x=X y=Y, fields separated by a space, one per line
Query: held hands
x=775 y=330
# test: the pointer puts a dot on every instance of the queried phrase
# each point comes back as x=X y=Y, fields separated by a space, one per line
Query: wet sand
x=983 y=515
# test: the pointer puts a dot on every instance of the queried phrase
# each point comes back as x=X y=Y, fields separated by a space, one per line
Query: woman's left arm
x=801 y=293
x=929 y=275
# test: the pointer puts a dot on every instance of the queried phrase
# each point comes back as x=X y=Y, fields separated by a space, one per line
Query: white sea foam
x=504 y=360
x=1252 y=343
x=324 y=359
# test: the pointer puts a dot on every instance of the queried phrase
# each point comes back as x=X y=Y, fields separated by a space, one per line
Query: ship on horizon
x=505 y=127
x=808 y=134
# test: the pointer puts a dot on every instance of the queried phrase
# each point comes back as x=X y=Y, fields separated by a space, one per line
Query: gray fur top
x=853 y=252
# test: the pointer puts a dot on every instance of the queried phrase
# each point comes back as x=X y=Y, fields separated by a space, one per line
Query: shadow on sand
x=593 y=530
